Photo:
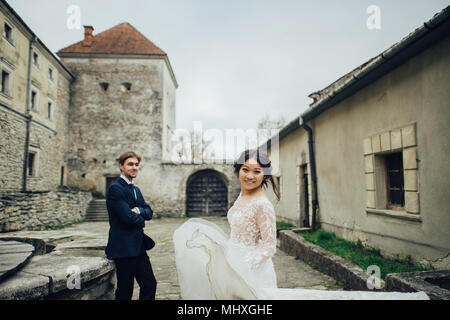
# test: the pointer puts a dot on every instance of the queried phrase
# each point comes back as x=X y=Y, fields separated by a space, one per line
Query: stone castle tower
x=65 y=121
x=123 y=98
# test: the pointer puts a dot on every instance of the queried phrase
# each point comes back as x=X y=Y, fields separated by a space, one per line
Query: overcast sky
x=235 y=60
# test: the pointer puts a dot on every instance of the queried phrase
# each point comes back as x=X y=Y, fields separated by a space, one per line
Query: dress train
x=210 y=266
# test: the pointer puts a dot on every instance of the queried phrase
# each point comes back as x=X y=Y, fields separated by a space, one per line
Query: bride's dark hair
x=265 y=164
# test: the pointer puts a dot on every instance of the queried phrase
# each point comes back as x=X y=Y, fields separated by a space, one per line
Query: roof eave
x=90 y=55
x=432 y=31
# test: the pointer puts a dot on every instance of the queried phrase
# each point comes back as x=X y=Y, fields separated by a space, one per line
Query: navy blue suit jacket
x=126 y=234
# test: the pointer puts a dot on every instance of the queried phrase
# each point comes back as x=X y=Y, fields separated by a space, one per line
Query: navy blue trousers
x=127 y=269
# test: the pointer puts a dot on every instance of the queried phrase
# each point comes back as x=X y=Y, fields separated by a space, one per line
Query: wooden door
x=207 y=195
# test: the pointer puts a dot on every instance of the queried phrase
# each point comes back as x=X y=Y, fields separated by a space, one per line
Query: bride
x=212 y=265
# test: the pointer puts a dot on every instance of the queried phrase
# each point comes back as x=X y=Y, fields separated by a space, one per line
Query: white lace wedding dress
x=212 y=265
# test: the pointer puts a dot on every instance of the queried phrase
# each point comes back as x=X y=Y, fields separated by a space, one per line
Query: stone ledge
x=394 y=214
x=45 y=277
x=352 y=275
x=426 y=281
x=13 y=256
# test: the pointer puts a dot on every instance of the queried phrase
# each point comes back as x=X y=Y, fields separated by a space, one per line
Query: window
x=126 y=87
x=34 y=100
x=391 y=173
x=61 y=182
x=50 y=110
x=104 y=86
x=389 y=181
x=395 y=183
x=8 y=33
x=6 y=82
x=50 y=74
x=36 y=59
x=32 y=164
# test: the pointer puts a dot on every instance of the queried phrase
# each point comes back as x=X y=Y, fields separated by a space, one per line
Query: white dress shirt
x=130 y=182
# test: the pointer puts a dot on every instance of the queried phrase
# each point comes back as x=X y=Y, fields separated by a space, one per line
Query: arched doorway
x=206 y=194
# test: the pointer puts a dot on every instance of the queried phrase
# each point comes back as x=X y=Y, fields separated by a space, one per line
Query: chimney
x=88 y=37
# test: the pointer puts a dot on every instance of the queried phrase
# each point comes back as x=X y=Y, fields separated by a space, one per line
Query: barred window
x=395 y=184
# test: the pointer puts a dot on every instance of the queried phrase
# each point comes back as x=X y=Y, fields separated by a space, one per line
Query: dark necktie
x=134 y=191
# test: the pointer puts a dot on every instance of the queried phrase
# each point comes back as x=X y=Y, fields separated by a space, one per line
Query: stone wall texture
x=39 y=210
x=106 y=123
x=12 y=148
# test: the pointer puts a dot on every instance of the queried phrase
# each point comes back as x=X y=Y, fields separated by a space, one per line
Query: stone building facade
x=64 y=122
x=34 y=117
x=123 y=98
x=369 y=158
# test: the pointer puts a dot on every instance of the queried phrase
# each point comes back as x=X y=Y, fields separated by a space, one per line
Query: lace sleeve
x=266 y=224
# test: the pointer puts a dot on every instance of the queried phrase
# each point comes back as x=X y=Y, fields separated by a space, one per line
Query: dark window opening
x=35 y=59
x=49 y=110
x=7 y=32
x=31 y=163
x=34 y=100
x=62 y=176
x=104 y=86
x=5 y=82
x=395 y=182
x=126 y=87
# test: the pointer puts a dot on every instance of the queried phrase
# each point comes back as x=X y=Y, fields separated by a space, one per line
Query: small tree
x=194 y=148
x=269 y=122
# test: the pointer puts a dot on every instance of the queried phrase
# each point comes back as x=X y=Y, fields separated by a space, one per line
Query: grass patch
x=282 y=224
x=362 y=256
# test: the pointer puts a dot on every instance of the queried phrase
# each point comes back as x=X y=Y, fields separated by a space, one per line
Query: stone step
x=97 y=211
x=13 y=256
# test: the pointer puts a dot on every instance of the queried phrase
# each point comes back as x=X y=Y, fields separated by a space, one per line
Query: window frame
x=36 y=104
x=36 y=62
x=9 y=91
x=35 y=167
x=383 y=184
x=404 y=140
x=51 y=74
x=12 y=38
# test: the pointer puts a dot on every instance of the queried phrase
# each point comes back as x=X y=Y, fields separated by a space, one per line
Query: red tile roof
x=121 y=39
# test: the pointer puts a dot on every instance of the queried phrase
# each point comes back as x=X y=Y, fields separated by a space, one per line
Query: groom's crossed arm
x=144 y=209
x=121 y=209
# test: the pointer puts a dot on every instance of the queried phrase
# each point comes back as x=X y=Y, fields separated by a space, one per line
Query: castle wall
x=40 y=210
x=164 y=185
x=12 y=148
x=106 y=123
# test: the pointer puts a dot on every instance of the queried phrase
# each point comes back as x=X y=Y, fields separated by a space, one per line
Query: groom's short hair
x=126 y=155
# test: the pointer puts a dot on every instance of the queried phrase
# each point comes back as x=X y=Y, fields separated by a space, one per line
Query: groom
x=127 y=243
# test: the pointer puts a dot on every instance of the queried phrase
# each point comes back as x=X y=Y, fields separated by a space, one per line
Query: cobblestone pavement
x=89 y=238
x=291 y=273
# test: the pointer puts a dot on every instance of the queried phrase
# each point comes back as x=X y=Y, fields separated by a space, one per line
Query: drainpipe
x=28 y=114
x=315 y=202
